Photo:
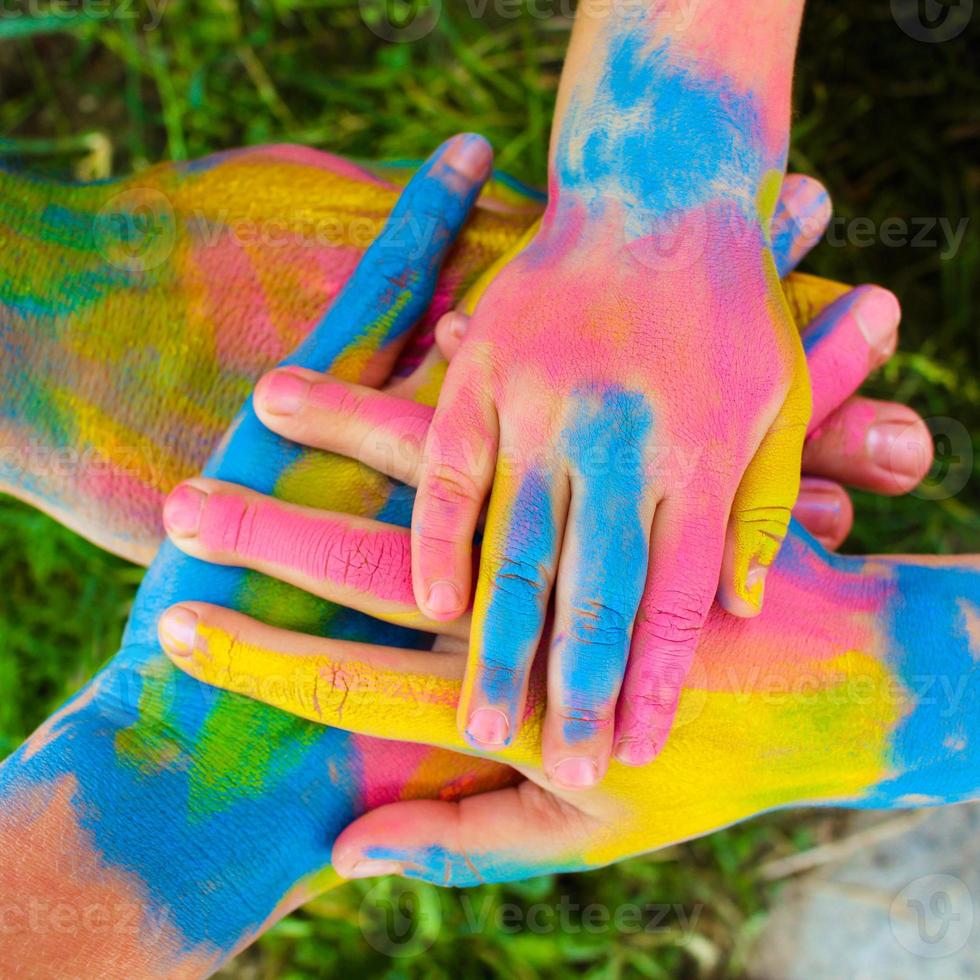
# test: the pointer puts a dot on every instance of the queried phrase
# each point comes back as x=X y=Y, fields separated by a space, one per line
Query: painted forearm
x=206 y=812
x=136 y=315
x=666 y=105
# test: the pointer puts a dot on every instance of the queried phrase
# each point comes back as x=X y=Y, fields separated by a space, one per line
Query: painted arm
x=137 y=314
x=631 y=388
x=185 y=820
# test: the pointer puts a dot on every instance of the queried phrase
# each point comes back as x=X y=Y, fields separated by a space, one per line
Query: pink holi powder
x=322 y=547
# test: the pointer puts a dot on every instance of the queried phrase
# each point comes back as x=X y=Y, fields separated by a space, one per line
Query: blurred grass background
x=890 y=123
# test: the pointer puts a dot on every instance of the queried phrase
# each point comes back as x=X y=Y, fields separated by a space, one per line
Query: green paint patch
x=242 y=750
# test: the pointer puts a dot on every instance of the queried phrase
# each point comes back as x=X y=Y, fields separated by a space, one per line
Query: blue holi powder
x=438 y=865
x=934 y=749
x=823 y=326
x=218 y=865
x=515 y=613
x=604 y=443
x=654 y=158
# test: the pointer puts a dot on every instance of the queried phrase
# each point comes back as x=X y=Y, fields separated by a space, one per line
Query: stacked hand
x=412 y=696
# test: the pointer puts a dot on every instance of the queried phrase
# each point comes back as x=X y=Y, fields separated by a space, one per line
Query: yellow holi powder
x=807 y=296
x=823 y=739
x=336 y=483
x=766 y=199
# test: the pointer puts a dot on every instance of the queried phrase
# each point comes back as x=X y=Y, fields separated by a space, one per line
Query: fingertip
x=487 y=728
x=576 y=773
x=450 y=331
x=825 y=510
x=177 y=631
x=633 y=751
x=877 y=313
x=903 y=449
x=282 y=392
x=182 y=510
x=744 y=598
x=470 y=155
x=443 y=602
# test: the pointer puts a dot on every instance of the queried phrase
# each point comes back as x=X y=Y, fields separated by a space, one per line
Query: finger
x=349 y=560
x=406 y=695
x=853 y=336
x=685 y=558
x=450 y=331
x=600 y=582
x=883 y=447
x=500 y=836
x=763 y=503
x=380 y=430
x=825 y=510
x=802 y=214
x=519 y=557
x=808 y=296
x=393 y=283
x=454 y=480
x=409 y=695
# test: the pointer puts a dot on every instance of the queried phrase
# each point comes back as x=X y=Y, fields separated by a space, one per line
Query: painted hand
x=365 y=564
x=826 y=673
x=638 y=405
x=880 y=446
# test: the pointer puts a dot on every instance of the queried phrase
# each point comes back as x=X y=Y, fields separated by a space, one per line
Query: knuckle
x=450 y=483
x=599 y=623
x=584 y=717
x=660 y=701
x=499 y=674
x=347 y=401
x=361 y=562
x=525 y=583
x=771 y=521
x=673 y=621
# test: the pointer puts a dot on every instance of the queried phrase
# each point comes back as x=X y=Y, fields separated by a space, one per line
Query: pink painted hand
x=879 y=446
x=631 y=394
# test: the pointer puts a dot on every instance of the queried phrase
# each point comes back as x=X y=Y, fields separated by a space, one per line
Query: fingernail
x=755 y=584
x=178 y=630
x=373 y=867
x=819 y=511
x=283 y=393
x=893 y=447
x=182 y=510
x=634 y=751
x=577 y=772
x=877 y=314
x=488 y=726
x=470 y=155
x=443 y=599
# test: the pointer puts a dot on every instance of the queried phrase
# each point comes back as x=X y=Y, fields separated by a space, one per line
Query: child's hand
x=645 y=411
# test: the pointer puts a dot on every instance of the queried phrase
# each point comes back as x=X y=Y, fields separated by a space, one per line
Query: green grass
x=892 y=125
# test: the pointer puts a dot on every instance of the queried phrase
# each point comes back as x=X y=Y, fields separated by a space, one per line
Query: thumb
x=501 y=836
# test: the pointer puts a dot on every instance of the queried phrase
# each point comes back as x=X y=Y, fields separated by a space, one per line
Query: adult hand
x=773 y=723
x=365 y=564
